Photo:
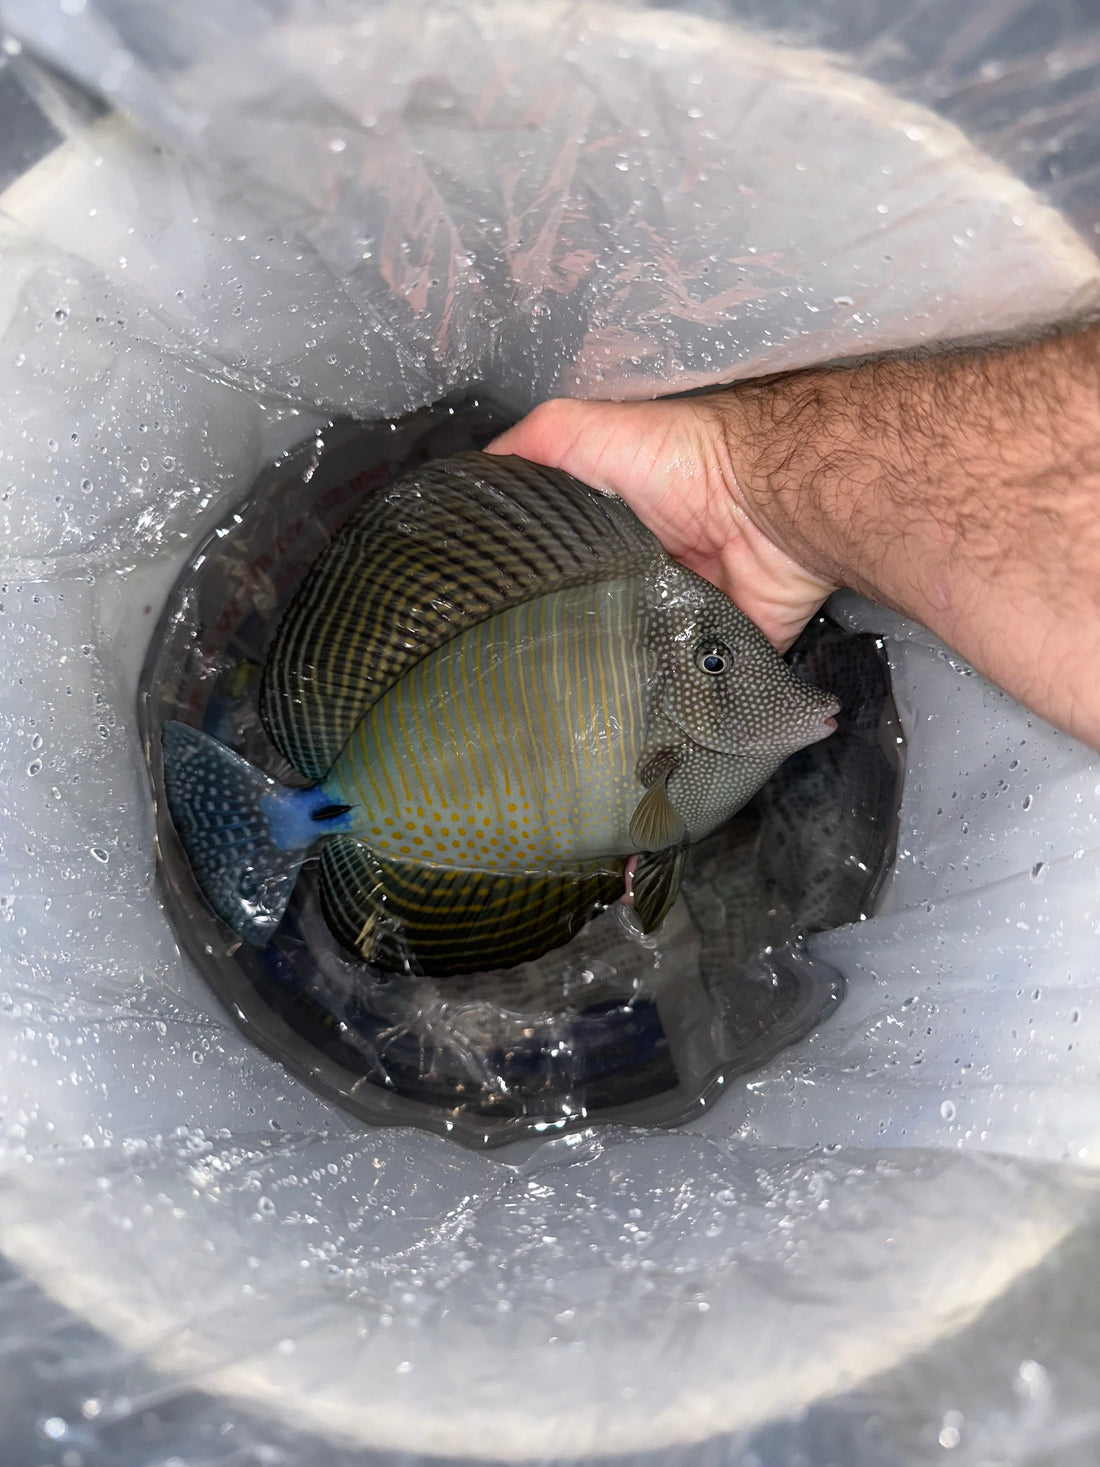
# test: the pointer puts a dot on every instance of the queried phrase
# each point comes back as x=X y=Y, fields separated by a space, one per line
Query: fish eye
x=712 y=658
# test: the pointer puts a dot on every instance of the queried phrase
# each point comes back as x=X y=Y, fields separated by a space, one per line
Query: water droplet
x=61 y=314
x=947 y=1110
x=34 y=767
x=1032 y=1381
x=100 y=854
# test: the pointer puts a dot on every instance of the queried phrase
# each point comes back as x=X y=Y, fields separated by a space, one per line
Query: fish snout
x=826 y=723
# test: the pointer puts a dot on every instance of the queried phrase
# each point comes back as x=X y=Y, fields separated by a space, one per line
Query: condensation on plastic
x=355 y=211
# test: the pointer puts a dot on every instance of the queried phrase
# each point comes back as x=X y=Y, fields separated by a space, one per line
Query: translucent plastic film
x=262 y=219
x=411 y=199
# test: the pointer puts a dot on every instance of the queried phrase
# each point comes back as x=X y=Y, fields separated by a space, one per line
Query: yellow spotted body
x=514 y=747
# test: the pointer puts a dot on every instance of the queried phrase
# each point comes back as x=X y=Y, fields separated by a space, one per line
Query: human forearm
x=962 y=488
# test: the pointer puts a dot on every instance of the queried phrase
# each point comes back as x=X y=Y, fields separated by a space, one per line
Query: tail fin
x=224 y=810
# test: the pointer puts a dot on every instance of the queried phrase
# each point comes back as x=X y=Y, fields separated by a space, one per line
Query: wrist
x=803 y=473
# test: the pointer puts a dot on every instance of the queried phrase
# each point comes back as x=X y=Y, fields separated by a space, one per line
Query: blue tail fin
x=245 y=835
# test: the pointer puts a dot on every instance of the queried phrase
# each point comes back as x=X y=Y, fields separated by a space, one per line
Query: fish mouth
x=822 y=730
x=825 y=723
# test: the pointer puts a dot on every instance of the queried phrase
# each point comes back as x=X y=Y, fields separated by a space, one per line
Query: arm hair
x=961 y=487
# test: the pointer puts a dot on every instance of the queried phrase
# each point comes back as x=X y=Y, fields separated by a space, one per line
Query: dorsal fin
x=441 y=549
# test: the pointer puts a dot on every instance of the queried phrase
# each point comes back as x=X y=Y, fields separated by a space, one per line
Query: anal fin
x=440 y=921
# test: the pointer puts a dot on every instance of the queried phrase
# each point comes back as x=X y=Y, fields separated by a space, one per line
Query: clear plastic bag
x=874 y=1245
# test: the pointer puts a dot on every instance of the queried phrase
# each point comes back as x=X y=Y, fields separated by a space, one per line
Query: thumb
x=613 y=446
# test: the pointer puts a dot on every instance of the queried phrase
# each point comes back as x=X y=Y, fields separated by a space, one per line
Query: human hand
x=670 y=462
x=959 y=487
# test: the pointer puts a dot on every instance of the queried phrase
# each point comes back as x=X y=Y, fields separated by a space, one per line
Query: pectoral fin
x=441 y=921
x=655 y=824
x=657 y=883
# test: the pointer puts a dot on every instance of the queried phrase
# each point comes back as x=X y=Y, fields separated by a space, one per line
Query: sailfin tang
x=656 y=884
x=245 y=835
x=443 y=921
x=442 y=549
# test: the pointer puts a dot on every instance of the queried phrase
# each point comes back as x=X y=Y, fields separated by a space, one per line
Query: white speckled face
x=723 y=683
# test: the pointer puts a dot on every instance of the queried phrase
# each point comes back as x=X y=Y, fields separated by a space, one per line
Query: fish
x=510 y=708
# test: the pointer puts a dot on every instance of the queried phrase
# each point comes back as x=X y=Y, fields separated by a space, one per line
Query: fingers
x=669 y=461
x=651 y=454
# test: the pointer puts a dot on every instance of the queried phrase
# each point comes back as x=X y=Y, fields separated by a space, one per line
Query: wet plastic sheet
x=544 y=199
x=339 y=210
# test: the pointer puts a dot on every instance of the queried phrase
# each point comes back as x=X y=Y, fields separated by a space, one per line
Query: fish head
x=722 y=683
